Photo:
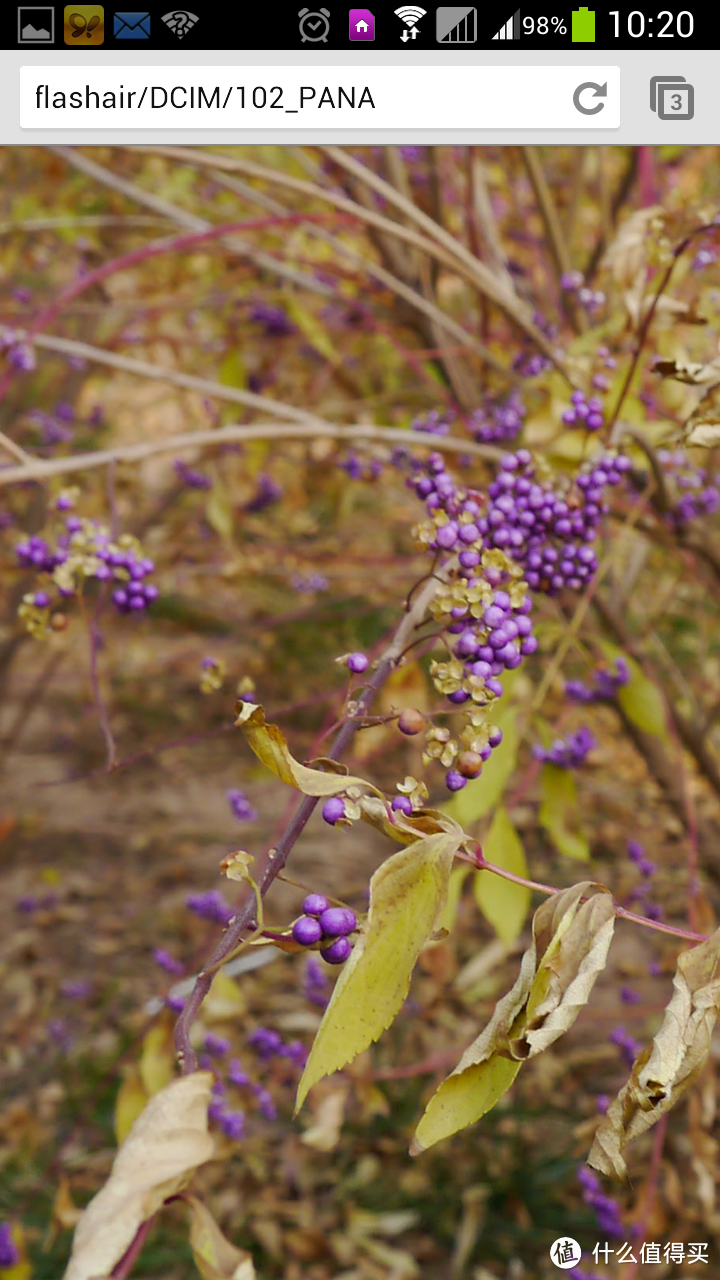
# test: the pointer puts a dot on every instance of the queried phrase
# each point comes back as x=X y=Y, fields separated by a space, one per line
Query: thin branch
x=483 y=278
x=373 y=269
x=156 y=248
x=14 y=449
x=465 y=265
x=184 y=218
x=274 y=859
x=40 y=469
x=706 y=228
x=686 y=934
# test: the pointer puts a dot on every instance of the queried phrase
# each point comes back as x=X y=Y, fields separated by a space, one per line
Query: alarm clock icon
x=314 y=25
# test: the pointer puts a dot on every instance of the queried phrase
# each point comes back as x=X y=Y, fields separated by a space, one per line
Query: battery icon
x=583 y=26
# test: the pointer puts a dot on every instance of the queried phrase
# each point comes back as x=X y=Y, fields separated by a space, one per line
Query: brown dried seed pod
x=469 y=764
x=411 y=721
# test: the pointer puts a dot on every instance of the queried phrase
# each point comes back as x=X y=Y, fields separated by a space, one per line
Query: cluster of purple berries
x=583 y=412
x=432 y=423
x=321 y=922
x=590 y=299
x=87 y=551
x=240 y=805
x=639 y=895
x=499 y=422
x=191 y=477
x=9 y=1252
x=697 y=495
x=210 y=905
x=607 y=684
x=605 y=1208
x=567 y=753
x=275 y=322
x=545 y=531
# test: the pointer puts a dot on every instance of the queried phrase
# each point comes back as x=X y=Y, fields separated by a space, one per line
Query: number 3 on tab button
x=672 y=98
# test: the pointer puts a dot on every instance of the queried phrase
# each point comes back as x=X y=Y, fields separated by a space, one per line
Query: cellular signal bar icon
x=511 y=29
x=456 y=25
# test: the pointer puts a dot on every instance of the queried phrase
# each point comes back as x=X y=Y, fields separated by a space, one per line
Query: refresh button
x=599 y=91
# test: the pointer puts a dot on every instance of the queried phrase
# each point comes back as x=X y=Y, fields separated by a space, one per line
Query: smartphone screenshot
x=359 y=642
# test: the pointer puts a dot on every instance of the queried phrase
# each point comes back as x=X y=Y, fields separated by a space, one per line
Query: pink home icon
x=362 y=24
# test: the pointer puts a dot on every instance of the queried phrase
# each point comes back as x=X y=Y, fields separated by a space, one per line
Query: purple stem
x=275 y=859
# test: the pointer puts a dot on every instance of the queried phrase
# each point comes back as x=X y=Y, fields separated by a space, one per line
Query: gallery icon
x=36 y=24
x=362 y=24
x=84 y=25
x=131 y=26
x=180 y=21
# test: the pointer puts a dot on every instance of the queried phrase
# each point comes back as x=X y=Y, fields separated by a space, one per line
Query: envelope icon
x=131 y=26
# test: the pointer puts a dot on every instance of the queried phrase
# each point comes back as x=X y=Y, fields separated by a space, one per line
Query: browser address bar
x=272 y=97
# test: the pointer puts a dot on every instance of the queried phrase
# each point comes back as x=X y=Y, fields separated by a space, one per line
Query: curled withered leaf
x=216 y=1258
x=687 y=371
x=405 y=830
x=664 y=1070
x=407 y=897
x=703 y=435
x=570 y=942
x=166 y=1144
x=269 y=745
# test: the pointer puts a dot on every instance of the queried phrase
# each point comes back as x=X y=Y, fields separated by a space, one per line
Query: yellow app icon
x=84 y=24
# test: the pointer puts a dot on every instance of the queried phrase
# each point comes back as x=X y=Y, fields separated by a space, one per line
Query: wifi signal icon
x=410 y=14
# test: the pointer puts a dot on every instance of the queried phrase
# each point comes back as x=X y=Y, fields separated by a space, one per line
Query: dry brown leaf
x=165 y=1145
x=324 y=1134
x=665 y=1069
x=687 y=371
x=269 y=745
x=569 y=948
x=215 y=1257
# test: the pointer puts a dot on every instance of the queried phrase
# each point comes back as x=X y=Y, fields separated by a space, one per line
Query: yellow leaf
x=312 y=329
x=158 y=1058
x=640 y=698
x=458 y=876
x=65 y=1212
x=478 y=798
x=569 y=948
x=270 y=747
x=324 y=1135
x=559 y=809
x=164 y=1147
x=663 y=1071
x=407 y=896
x=232 y=370
x=219 y=512
x=224 y=1000
x=503 y=903
x=131 y=1099
x=215 y=1257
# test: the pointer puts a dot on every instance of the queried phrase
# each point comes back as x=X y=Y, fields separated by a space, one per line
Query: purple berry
x=337 y=952
x=315 y=904
x=402 y=804
x=336 y=922
x=454 y=781
x=357 y=663
x=333 y=810
x=307 y=930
